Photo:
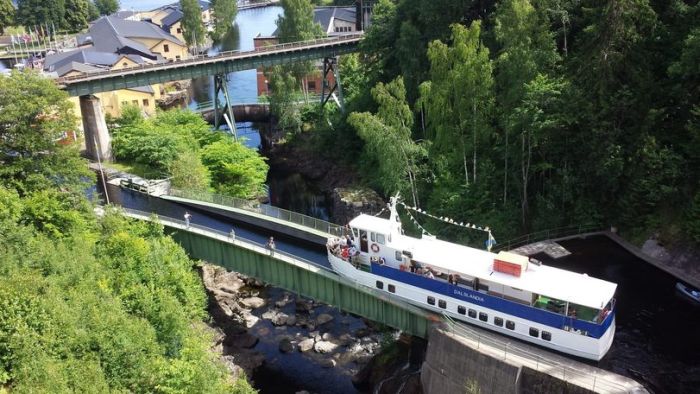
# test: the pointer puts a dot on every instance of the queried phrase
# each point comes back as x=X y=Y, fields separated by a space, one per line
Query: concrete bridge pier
x=97 y=140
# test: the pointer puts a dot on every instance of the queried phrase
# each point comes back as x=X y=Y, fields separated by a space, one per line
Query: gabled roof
x=324 y=16
x=110 y=29
x=124 y=14
x=84 y=60
x=172 y=18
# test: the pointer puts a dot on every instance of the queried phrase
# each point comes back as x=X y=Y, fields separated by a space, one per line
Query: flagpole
x=14 y=52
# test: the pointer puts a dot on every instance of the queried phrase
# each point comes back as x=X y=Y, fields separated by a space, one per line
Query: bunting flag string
x=489 y=243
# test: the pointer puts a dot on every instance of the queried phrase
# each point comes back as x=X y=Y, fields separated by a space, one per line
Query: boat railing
x=554 y=233
x=262 y=209
x=517 y=353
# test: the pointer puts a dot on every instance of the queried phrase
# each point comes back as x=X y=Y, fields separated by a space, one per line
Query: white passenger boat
x=505 y=292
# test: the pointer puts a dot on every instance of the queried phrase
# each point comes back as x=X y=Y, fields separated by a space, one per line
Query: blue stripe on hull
x=512 y=308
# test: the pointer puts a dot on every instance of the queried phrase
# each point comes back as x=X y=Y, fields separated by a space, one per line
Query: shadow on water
x=294 y=192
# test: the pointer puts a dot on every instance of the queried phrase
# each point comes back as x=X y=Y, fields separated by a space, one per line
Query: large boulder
x=323 y=319
x=280 y=319
x=306 y=345
x=324 y=347
x=350 y=202
x=253 y=302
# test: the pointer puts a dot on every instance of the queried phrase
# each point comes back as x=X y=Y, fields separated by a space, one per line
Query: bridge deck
x=203 y=65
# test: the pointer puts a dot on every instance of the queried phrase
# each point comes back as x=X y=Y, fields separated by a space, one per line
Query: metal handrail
x=256 y=246
x=262 y=209
x=547 y=234
x=209 y=59
x=541 y=363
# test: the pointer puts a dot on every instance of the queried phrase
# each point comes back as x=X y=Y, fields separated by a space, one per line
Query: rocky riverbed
x=287 y=343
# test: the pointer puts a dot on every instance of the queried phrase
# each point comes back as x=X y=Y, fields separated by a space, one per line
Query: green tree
x=296 y=23
x=285 y=99
x=93 y=12
x=188 y=173
x=224 y=16
x=76 y=16
x=7 y=15
x=387 y=137
x=107 y=7
x=458 y=118
x=31 y=13
x=34 y=114
x=192 y=25
x=235 y=169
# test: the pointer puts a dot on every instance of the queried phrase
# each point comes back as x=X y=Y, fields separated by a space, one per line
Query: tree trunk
x=474 y=136
x=505 y=172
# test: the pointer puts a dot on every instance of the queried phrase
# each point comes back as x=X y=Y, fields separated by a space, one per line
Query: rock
x=328 y=363
x=327 y=336
x=286 y=346
x=345 y=339
x=315 y=335
x=280 y=319
x=291 y=320
x=284 y=301
x=306 y=345
x=231 y=287
x=302 y=306
x=361 y=332
x=244 y=341
x=323 y=319
x=348 y=203
x=253 y=302
x=251 y=320
x=270 y=314
x=324 y=347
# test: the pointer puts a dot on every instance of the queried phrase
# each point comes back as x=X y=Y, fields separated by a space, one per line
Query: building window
x=510 y=325
x=125 y=64
x=125 y=103
x=166 y=48
x=442 y=304
x=431 y=300
x=380 y=284
x=177 y=57
x=498 y=321
x=145 y=102
x=534 y=332
x=483 y=316
x=381 y=239
x=546 y=335
x=337 y=29
x=461 y=310
x=392 y=289
x=312 y=85
x=135 y=102
x=472 y=313
x=179 y=30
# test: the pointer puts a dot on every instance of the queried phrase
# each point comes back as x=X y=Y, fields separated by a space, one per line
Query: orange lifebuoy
x=375 y=248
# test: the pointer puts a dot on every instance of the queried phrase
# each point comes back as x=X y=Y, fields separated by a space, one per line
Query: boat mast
x=394 y=220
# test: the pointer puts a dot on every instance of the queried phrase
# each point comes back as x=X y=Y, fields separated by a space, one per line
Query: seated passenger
x=451 y=279
x=382 y=261
x=429 y=274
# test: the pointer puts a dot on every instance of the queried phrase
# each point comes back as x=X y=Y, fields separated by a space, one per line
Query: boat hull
x=561 y=340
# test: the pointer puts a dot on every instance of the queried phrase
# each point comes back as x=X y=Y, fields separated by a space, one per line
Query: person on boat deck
x=382 y=261
x=348 y=240
x=414 y=265
x=451 y=279
x=429 y=274
x=344 y=254
x=352 y=250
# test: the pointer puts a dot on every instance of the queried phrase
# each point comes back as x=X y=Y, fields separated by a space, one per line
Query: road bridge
x=97 y=139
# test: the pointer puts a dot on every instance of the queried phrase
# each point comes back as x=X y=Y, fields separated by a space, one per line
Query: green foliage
x=285 y=99
x=296 y=23
x=93 y=12
x=188 y=173
x=7 y=15
x=107 y=7
x=76 y=16
x=235 y=169
x=224 y=16
x=34 y=113
x=192 y=25
x=387 y=137
x=32 y=13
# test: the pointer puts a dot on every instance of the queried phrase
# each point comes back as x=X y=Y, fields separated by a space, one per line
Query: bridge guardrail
x=532 y=360
x=218 y=56
x=256 y=246
x=554 y=233
x=263 y=209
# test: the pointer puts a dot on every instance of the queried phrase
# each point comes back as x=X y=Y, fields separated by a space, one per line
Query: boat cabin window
x=442 y=304
x=472 y=313
x=380 y=284
x=546 y=335
x=483 y=316
x=534 y=332
x=461 y=310
x=498 y=321
x=373 y=237
x=399 y=257
x=392 y=289
x=581 y=312
x=381 y=239
x=510 y=324
x=363 y=241
x=431 y=300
